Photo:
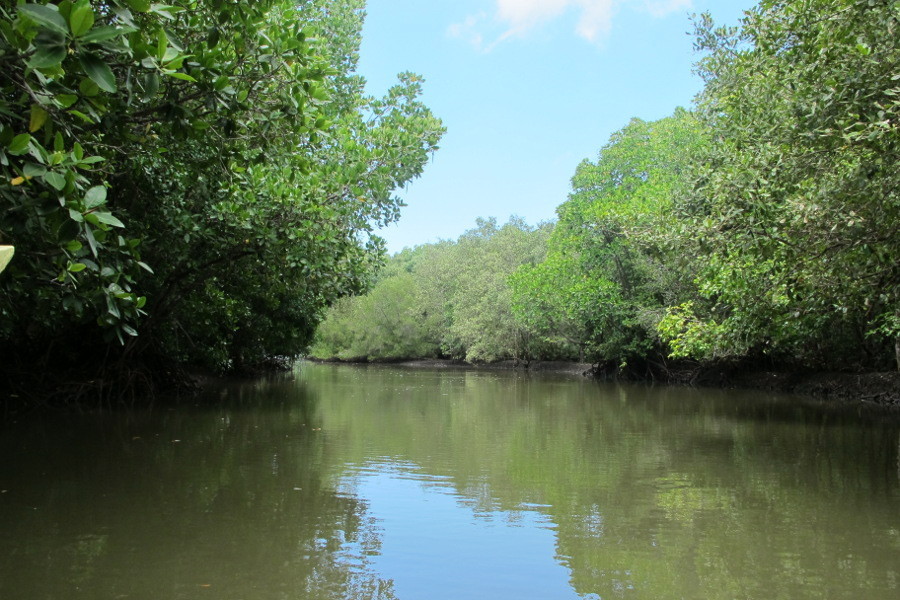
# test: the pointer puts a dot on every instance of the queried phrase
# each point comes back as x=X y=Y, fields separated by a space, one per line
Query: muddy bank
x=566 y=368
x=881 y=389
x=871 y=388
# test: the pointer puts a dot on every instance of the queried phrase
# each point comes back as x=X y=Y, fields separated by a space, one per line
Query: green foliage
x=689 y=336
x=764 y=224
x=797 y=214
x=207 y=174
x=555 y=301
x=386 y=323
x=484 y=259
x=447 y=299
x=210 y=175
x=607 y=279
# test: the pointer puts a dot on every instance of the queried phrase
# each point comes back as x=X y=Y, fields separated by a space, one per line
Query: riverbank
x=147 y=384
x=882 y=389
x=566 y=368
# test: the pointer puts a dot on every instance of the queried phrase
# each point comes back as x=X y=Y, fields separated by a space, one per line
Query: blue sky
x=527 y=89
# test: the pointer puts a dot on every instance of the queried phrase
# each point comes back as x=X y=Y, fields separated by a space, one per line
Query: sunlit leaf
x=81 y=19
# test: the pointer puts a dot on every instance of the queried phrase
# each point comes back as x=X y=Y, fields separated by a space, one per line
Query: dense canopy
x=196 y=182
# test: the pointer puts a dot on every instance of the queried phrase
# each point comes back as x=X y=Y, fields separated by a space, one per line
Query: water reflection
x=377 y=482
x=459 y=547
x=236 y=502
x=654 y=493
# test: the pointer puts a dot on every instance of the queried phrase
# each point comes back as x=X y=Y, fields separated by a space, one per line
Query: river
x=355 y=482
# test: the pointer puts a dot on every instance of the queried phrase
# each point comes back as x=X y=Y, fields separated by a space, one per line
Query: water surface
x=342 y=482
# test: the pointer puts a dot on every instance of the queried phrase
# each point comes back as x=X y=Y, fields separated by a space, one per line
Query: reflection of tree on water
x=236 y=502
x=653 y=493
x=656 y=493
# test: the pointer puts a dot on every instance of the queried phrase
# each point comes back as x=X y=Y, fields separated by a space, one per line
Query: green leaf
x=108 y=219
x=151 y=83
x=99 y=72
x=44 y=58
x=19 y=144
x=138 y=5
x=76 y=216
x=319 y=95
x=55 y=180
x=105 y=33
x=65 y=8
x=46 y=16
x=88 y=88
x=81 y=116
x=77 y=267
x=212 y=39
x=112 y=308
x=162 y=42
x=34 y=170
x=39 y=116
x=49 y=50
x=177 y=75
x=166 y=11
x=92 y=242
x=65 y=100
x=81 y=19
x=95 y=197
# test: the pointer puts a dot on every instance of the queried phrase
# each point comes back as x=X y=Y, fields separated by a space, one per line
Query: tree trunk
x=897 y=352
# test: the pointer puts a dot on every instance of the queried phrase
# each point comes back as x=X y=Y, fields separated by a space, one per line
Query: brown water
x=345 y=482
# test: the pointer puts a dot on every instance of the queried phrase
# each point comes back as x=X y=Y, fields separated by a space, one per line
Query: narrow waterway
x=344 y=482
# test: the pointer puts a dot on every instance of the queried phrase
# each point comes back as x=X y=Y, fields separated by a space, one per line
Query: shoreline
x=880 y=389
x=543 y=366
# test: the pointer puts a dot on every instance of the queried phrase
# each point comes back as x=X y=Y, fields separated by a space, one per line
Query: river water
x=343 y=482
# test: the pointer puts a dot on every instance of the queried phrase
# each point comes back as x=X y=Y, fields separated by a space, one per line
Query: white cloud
x=596 y=19
x=515 y=18
x=522 y=15
x=469 y=30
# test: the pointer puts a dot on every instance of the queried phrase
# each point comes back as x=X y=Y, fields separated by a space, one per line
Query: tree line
x=763 y=224
x=189 y=184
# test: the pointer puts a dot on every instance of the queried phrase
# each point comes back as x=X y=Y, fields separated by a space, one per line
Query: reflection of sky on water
x=379 y=484
x=422 y=521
